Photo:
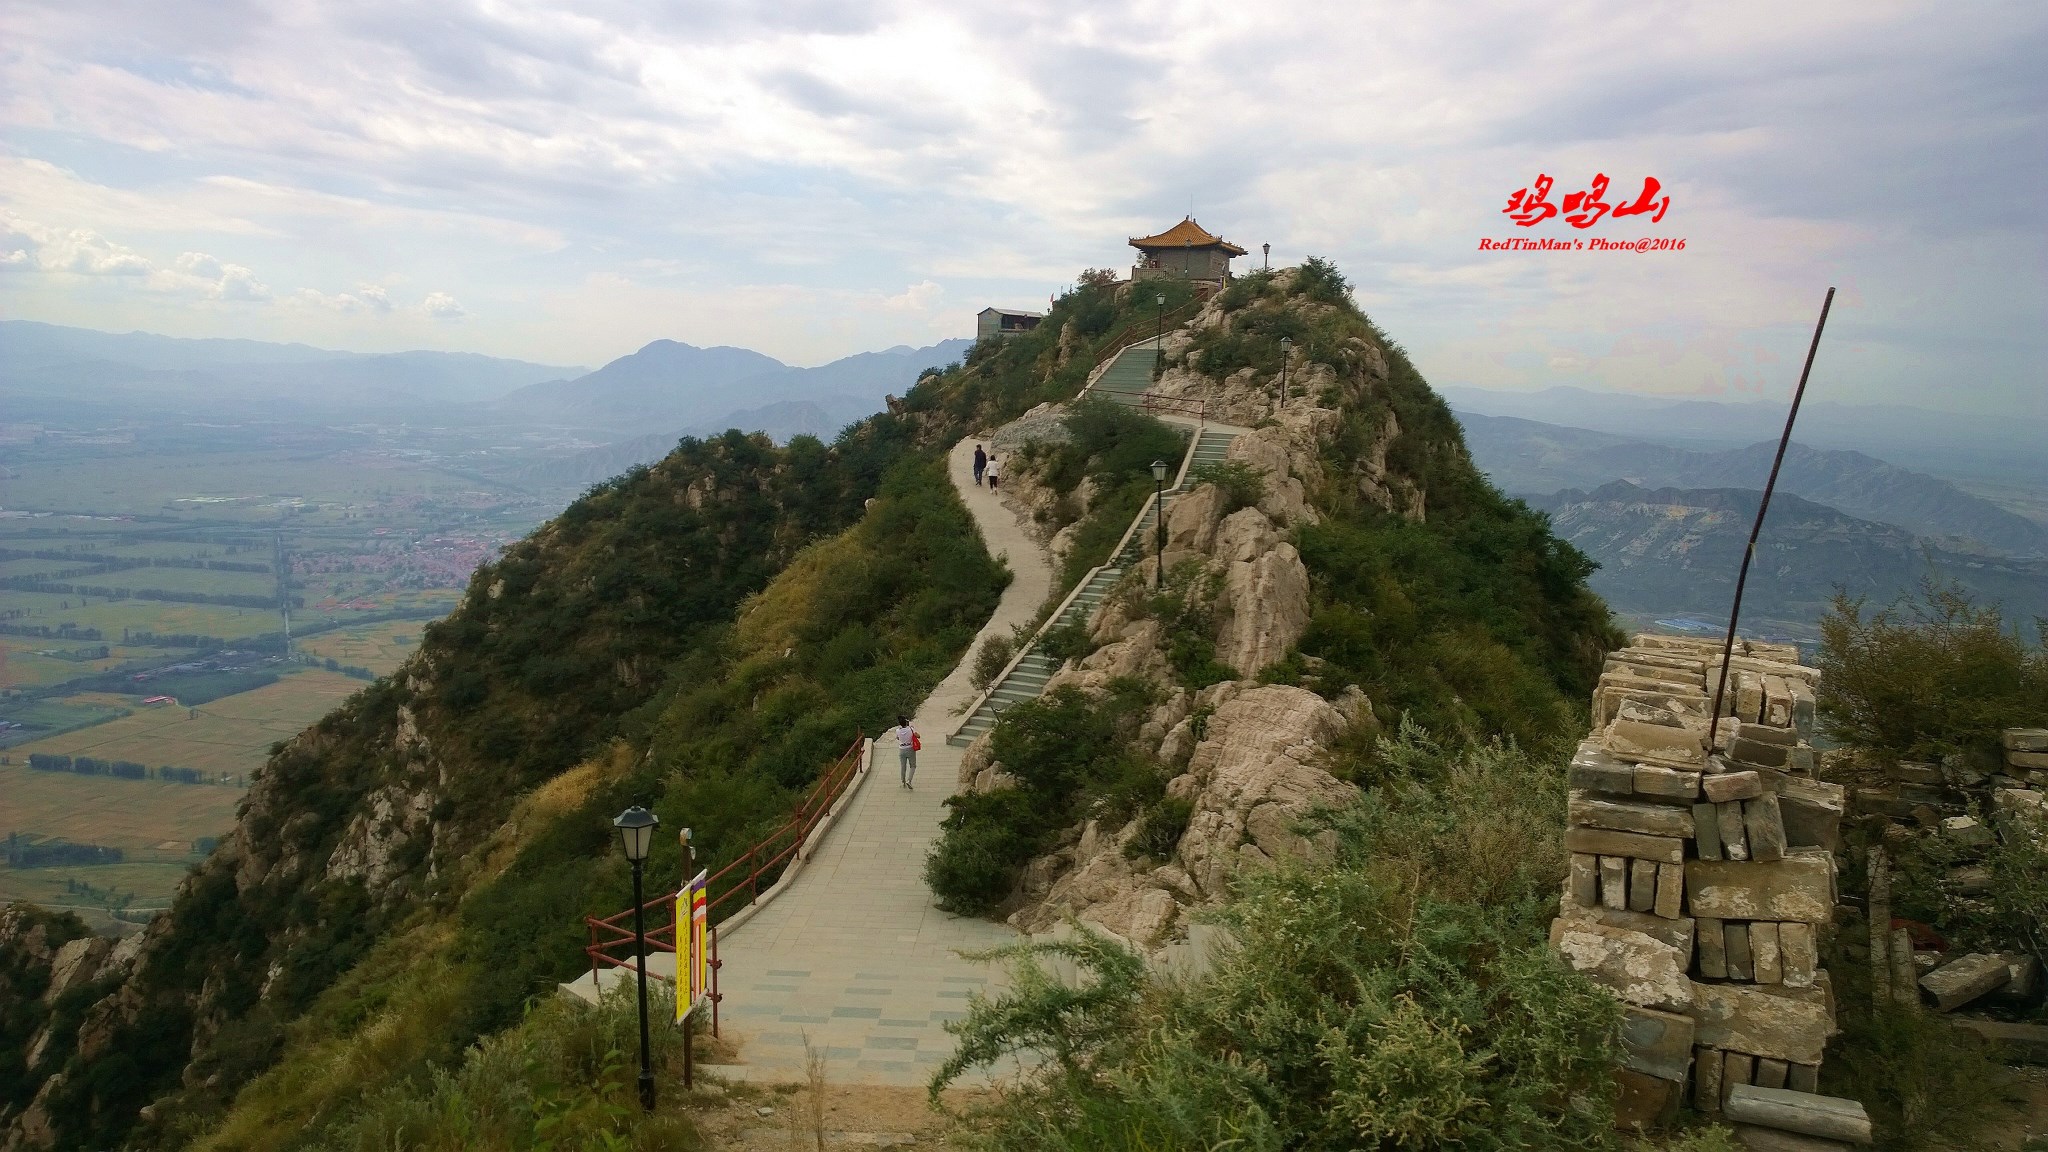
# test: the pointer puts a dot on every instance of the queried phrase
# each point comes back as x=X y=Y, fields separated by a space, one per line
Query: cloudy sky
x=813 y=178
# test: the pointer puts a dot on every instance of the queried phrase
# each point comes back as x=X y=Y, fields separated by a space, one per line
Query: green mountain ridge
x=703 y=635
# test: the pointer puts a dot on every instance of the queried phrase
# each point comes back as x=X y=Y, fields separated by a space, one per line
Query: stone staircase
x=1026 y=676
x=1129 y=376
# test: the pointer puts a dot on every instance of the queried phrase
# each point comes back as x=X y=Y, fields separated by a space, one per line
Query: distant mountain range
x=1676 y=552
x=1525 y=457
x=2003 y=448
x=674 y=385
x=55 y=374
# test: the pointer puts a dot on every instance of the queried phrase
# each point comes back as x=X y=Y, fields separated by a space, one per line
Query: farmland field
x=231 y=734
x=378 y=647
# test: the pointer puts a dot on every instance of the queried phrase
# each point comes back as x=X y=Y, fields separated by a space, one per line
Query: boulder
x=1783 y=1023
x=1799 y=887
x=1638 y=969
x=1264 y=601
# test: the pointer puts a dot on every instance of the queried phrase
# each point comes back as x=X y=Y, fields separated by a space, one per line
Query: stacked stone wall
x=1703 y=879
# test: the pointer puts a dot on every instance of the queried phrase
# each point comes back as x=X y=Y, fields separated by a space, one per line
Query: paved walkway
x=854 y=956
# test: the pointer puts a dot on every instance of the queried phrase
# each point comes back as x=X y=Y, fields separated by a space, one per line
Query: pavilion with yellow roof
x=1185 y=251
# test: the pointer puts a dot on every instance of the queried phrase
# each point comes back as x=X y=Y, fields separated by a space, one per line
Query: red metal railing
x=611 y=937
x=1143 y=328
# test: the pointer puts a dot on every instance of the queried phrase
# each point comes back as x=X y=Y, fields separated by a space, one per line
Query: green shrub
x=1924 y=1081
x=1377 y=999
x=1067 y=642
x=1185 y=610
x=1160 y=829
x=1929 y=677
x=991 y=658
x=1072 y=759
x=1241 y=485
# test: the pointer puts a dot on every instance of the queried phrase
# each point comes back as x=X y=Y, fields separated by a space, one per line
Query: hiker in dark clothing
x=980 y=463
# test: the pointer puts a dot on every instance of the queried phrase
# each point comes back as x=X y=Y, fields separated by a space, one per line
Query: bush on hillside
x=1398 y=995
x=1924 y=678
x=1240 y=484
x=1072 y=759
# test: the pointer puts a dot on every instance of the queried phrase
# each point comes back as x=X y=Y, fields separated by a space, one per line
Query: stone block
x=1802 y=1077
x=1736 y=1068
x=1755 y=1139
x=1829 y=1117
x=1671 y=747
x=1614 y=882
x=1770 y=1073
x=1656 y=1043
x=1713 y=948
x=2026 y=976
x=1727 y=786
x=1585 y=880
x=1593 y=770
x=1799 y=887
x=1763 y=823
x=1621 y=816
x=1965 y=979
x=1799 y=953
x=1749 y=694
x=1965 y=832
x=1706 y=831
x=1637 y=968
x=1644 y=1102
x=1648 y=713
x=1799 y=761
x=2010 y=805
x=1678 y=933
x=1764 y=954
x=2029 y=761
x=1670 y=891
x=1670 y=785
x=1741 y=962
x=1706 y=1080
x=1881 y=802
x=1746 y=751
x=2017 y=1043
x=1812 y=812
x=1914 y=772
x=1783 y=1023
x=2025 y=739
x=1781 y=735
x=1734 y=840
x=1802 y=709
x=1970 y=879
x=1603 y=842
x=1642 y=885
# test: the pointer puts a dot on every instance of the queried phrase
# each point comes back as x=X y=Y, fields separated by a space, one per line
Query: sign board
x=693 y=945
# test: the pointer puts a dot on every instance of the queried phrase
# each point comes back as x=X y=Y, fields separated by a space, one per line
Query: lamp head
x=1286 y=343
x=1160 y=300
x=1159 y=470
x=636 y=831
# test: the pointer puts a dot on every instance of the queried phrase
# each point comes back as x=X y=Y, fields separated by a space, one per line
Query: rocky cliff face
x=1250 y=759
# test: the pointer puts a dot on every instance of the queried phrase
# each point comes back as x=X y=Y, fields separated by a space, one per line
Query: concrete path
x=854 y=956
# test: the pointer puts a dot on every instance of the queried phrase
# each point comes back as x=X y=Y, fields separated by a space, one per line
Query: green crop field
x=85 y=889
x=378 y=647
x=231 y=734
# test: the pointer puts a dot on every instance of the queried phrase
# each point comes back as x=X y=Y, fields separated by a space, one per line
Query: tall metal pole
x=1763 y=506
x=640 y=969
x=1159 y=521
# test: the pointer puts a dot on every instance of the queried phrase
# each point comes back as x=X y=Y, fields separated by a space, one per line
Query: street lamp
x=1268 y=250
x=1286 y=346
x=636 y=833
x=1159 y=335
x=1159 y=517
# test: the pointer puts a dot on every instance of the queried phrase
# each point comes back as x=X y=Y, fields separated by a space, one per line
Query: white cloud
x=442 y=306
x=369 y=298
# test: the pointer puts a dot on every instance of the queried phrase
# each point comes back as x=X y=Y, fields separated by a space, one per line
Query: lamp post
x=1286 y=346
x=1267 y=250
x=1159 y=518
x=636 y=834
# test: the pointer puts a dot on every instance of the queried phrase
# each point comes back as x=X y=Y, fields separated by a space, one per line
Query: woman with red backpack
x=908 y=743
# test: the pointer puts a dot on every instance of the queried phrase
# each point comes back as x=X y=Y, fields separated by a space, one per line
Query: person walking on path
x=994 y=472
x=980 y=464
x=907 y=745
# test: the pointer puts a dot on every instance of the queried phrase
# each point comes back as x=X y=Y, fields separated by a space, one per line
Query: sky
x=814 y=178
